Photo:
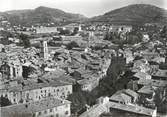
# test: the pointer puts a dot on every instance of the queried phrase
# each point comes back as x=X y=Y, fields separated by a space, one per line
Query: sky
x=88 y=8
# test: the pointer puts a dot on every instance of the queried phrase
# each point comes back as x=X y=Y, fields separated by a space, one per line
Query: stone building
x=11 y=70
x=35 y=92
x=50 y=107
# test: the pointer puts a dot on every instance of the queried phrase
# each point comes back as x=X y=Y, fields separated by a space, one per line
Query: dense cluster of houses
x=138 y=98
x=38 y=81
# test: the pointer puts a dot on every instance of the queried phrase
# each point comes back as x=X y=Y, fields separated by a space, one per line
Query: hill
x=42 y=15
x=137 y=14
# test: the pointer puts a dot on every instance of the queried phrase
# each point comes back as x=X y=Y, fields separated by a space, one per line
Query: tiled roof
x=131 y=93
x=30 y=108
x=132 y=108
x=95 y=111
x=157 y=83
x=141 y=75
x=147 y=89
x=31 y=85
x=121 y=97
x=161 y=73
x=87 y=80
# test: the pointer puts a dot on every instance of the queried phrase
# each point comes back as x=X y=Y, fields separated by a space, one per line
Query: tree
x=75 y=31
x=113 y=81
x=160 y=99
x=164 y=32
x=111 y=36
x=138 y=57
x=64 y=32
x=80 y=99
x=4 y=101
x=27 y=71
x=116 y=67
x=5 y=40
x=72 y=45
x=107 y=36
x=133 y=37
x=25 y=40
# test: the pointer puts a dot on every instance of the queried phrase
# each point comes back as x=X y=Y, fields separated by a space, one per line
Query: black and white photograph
x=83 y=58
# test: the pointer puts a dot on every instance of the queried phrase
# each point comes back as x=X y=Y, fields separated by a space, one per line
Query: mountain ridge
x=42 y=15
x=131 y=14
x=137 y=13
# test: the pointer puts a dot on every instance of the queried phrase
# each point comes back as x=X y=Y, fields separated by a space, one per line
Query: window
x=51 y=110
x=14 y=73
x=57 y=115
x=6 y=95
x=27 y=95
x=66 y=113
x=39 y=113
x=66 y=105
x=68 y=92
x=14 y=94
x=55 y=108
x=33 y=115
x=45 y=111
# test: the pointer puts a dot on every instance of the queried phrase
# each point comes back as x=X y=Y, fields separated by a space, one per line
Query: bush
x=25 y=40
x=64 y=32
x=79 y=100
x=72 y=45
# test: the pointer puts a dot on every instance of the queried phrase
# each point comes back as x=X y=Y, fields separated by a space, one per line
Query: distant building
x=129 y=56
x=160 y=75
x=125 y=97
x=11 y=70
x=156 y=83
x=72 y=26
x=149 y=55
x=142 y=75
x=88 y=84
x=141 y=66
x=119 y=28
x=159 y=60
x=146 y=37
x=147 y=92
x=68 y=39
x=40 y=30
x=86 y=79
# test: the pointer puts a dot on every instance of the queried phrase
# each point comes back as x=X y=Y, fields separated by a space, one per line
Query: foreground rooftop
x=30 y=108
